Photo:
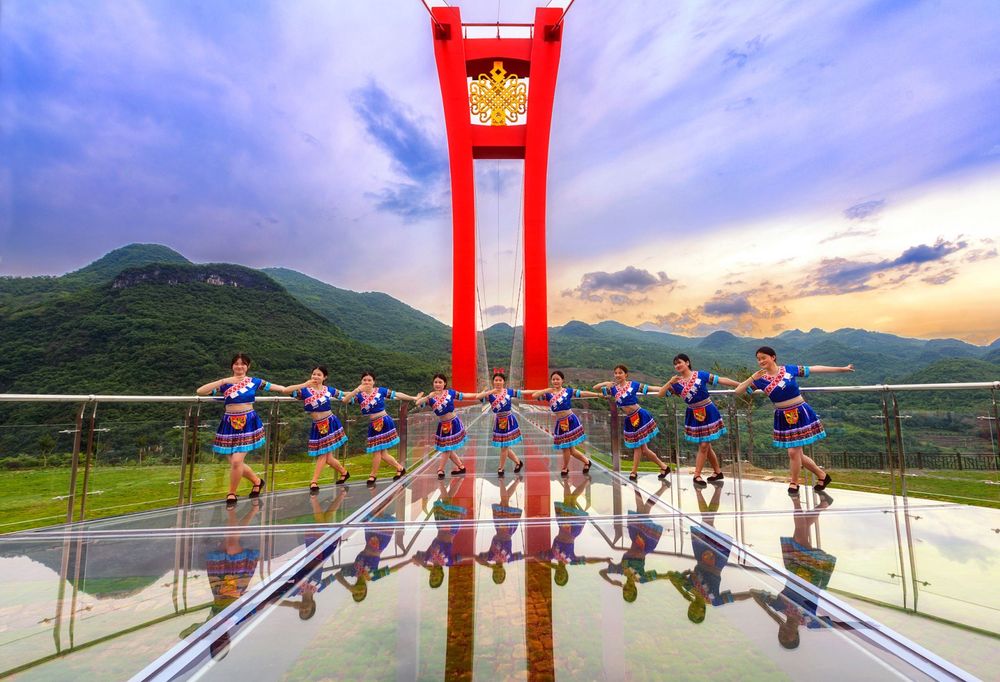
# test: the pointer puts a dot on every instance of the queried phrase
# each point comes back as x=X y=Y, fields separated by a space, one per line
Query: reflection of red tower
x=498 y=67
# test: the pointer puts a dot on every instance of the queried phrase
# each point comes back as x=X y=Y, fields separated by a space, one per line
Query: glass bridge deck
x=532 y=576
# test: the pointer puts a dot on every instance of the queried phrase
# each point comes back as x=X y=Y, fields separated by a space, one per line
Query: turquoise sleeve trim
x=459 y=396
x=604 y=390
x=296 y=393
x=643 y=388
x=714 y=379
x=805 y=370
x=577 y=393
x=750 y=389
x=266 y=385
x=392 y=395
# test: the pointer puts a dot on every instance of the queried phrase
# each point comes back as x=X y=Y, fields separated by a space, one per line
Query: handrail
x=865 y=388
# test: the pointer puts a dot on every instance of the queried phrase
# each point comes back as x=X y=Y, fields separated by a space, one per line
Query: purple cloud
x=864 y=210
x=619 y=286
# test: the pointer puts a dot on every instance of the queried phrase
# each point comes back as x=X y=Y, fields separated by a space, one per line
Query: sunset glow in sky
x=755 y=167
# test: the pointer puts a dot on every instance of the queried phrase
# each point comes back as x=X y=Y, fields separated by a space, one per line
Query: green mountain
x=167 y=328
x=371 y=317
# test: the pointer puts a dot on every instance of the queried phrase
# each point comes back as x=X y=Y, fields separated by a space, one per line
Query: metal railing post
x=185 y=453
x=193 y=452
x=404 y=411
x=87 y=463
x=75 y=463
x=995 y=431
x=616 y=442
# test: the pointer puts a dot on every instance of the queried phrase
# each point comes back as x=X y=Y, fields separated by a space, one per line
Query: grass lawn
x=38 y=497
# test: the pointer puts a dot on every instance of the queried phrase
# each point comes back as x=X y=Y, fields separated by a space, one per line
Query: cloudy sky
x=751 y=166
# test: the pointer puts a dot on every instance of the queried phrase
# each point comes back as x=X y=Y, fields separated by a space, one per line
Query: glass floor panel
x=530 y=575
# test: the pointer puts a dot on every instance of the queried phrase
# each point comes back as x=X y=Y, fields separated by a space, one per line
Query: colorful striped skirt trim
x=568 y=432
x=797 y=426
x=382 y=434
x=450 y=435
x=639 y=429
x=239 y=433
x=326 y=436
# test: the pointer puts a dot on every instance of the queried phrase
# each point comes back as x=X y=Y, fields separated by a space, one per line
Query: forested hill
x=169 y=327
x=878 y=357
x=372 y=317
x=144 y=319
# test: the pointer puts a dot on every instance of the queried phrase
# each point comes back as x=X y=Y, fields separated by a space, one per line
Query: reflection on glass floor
x=535 y=575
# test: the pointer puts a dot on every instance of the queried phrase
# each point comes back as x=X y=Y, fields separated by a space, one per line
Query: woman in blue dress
x=506 y=430
x=568 y=431
x=506 y=519
x=382 y=433
x=327 y=433
x=450 y=435
x=796 y=424
x=702 y=421
x=645 y=536
x=241 y=430
x=638 y=427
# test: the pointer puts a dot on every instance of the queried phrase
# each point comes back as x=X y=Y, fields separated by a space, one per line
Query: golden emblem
x=498 y=98
x=502 y=424
x=378 y=424
x=700 y=414
x=446 y=428
x=792 y=416
x=238 y=422
x=564 y=425
x=323 y=427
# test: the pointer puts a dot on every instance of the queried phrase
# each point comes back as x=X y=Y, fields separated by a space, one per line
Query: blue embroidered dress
x=571 y=520
x=702 y=421
x=506 y=430
x=326 y=435
x=441 y=550
x=381 y=430
x=505 y=522
x=796 y=425
x=639 y=427
x=645 y=536
x=366 y=563
x=450 y=434
x=712 y=556
x=241 y=432
x=568 y=430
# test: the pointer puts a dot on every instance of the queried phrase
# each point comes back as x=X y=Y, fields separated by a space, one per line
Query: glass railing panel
x=36 y=451
x=955 y=553
x=135 y=456
x=949 y=443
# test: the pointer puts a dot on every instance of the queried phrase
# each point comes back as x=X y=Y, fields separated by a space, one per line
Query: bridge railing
x=66 y=458
x=932 y=440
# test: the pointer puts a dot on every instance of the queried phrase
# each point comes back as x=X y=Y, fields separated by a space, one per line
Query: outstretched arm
x=268 y=386
x=590 y=394
x=604 y=574
x=745 y=384
x=209 y=387
x=603 y=384
x=665 y=388
x=404 y=396
x=726 y=381
x=348 y=397
x=529 y=393
x=824 y=369
x=294 y=387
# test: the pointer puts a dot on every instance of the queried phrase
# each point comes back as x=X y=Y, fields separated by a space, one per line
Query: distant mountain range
x=145 y=319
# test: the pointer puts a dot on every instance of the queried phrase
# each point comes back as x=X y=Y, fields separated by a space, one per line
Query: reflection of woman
x=796 y=606
x=316 y=582
x=571 y=518
x=505 y=521
x=568 y=431
x=645 y=535
x=796 y=424
x=365 y=568
x=450 y=435
x=327 y=433
x=702 y=421
x=638 y=427
x=230 y=567
x=440 y=553
x=703 y=584
x=381 y=429
x=506 y=430
x=241 y=430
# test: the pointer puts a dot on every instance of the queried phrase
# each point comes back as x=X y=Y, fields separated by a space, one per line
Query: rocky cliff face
x=221 y=275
